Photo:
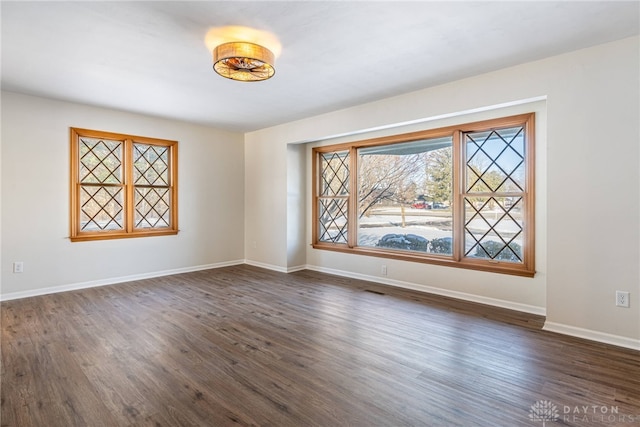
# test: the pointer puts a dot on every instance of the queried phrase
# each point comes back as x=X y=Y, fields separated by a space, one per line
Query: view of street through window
x=430 y=224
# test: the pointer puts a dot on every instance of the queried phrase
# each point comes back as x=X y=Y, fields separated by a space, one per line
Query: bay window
x=459 y=196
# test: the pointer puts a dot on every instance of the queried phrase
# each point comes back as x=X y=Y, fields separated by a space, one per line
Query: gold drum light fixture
x=243 y=61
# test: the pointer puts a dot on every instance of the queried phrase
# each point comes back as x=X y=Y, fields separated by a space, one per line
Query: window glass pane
x=101 y=208
x=334 y=174
x=152 y=207
x=150 y=165
x=333 y=220
x=495 y=160
x=100 y=161
x=493 y=228
x=405 y=196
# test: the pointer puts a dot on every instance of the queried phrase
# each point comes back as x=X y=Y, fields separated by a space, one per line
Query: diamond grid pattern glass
x=495 y=185
x=492 y=229
x=334 y=170
x=153 y=207
x=151 y=177
x=100 y=161
x=100 y=175
x=495 y=161
x=333 y=220
x=150 y=165
x=333 y=202
x=101 y=208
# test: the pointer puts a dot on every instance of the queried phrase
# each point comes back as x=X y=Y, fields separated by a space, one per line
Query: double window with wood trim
x=122 y=186
x=459 y=196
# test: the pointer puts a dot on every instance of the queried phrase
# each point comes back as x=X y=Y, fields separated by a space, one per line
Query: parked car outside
x=421 y=204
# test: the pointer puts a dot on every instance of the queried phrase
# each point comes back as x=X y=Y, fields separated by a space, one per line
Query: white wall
x=589 y=227
x=35 y=199
x=266 y=203
x=296 y=201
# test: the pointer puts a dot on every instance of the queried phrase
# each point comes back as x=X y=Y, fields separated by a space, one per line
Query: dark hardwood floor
x=246 y=346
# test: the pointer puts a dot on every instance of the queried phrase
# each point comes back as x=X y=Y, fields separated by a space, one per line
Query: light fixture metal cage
x=243 y=61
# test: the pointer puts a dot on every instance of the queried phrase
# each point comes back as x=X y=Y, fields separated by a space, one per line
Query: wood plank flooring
x=245 y=346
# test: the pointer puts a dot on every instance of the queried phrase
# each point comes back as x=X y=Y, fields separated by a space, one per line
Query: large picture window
x=460 y=196
x=122 y=186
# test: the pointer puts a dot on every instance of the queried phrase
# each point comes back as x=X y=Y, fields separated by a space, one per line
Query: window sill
x=500 y=267
x=121 y=235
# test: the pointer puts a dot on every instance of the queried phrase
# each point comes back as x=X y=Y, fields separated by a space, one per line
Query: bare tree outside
x=391 y=178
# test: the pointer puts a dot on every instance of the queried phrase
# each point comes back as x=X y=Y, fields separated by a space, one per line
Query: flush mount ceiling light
x=243 y=61
x=243 y=53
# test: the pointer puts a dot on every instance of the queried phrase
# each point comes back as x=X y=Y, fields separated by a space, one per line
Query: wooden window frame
x=129 y=230
x=457 y=259
x=344 y=196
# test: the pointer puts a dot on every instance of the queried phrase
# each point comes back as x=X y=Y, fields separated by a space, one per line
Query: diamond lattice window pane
x=493 y=228
x=494 y=177
x=476 y=167
x=334 y=172
x=150 y=165
x=515 y=182
x=101 y=208
x=333 y=220
x=100 y=161
x=495 y=161
x=152 y=207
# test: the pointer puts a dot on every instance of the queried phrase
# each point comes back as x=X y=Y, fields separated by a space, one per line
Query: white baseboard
x=296 y=268
x=541 y=311
x=113 y=281
x=267 y=266
x=275 y=267
x=588 y=334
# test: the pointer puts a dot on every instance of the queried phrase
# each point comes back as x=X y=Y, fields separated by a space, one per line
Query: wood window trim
x=524 y=269
x=128 y=231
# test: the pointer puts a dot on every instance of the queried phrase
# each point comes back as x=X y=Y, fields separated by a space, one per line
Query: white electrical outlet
x=622 y=299
x=18 y=267
x=383 y=270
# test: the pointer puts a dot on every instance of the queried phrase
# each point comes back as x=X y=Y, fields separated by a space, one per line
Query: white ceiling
x=150 y=57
